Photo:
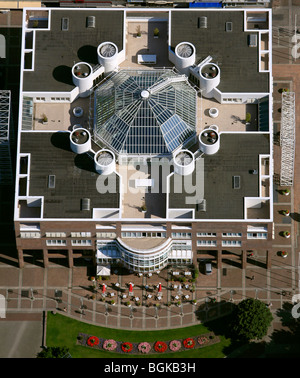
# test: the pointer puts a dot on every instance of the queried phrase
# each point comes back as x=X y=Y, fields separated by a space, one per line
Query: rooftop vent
x=64 y=24
x=202 y=205
x=252 y=40
x=236 y=182
x=202 y=22
x=90 y=21
x=85 y=204
x=51 y=181
x=108 y=50
x=228 y=26
x=185 y=50
x=105 y=158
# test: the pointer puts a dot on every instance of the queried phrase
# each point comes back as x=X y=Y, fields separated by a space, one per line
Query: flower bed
x=202 y=340
x=157 y=347
x=109 y=344
x=127 y=347
x=144 y=347
x=160 y=346
x=189 y=343
x=175 y=345
x=92 y=341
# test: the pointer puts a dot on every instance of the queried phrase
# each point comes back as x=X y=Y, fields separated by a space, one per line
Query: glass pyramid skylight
x=147 y=112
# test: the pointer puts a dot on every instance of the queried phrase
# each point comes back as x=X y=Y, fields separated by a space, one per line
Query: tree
x=251 y=319
x=53 y=352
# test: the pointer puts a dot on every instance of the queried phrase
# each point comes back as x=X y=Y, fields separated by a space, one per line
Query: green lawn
x=63 y=331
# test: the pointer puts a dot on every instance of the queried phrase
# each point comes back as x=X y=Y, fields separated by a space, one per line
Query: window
x=231 y=234
x=143 y=234
x=28 y=235
x=181 y=235
x=231 y=243
x=206 y=234
x=228 y=26
x=56 y=235
x=207 y=243
x=90 y=21
x=106 y=235
x=51 y=181
x=65 y=24
x=85 y=242
x=55 y=242
x=257 y=235
x=81 y=234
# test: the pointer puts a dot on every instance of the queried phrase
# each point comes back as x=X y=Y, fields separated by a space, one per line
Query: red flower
x=160 y=346
x=92 y=341
x=189 y=343
x=127 y=347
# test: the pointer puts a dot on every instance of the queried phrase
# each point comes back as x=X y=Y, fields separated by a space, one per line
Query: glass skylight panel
x=157 y=123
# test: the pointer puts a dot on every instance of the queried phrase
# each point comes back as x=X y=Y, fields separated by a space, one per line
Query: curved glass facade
x=172 y=251
x=145 y=112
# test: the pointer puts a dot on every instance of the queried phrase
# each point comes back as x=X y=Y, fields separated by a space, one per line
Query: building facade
x=145 y=136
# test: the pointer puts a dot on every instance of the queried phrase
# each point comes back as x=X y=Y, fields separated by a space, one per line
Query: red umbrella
x=130 y=287
x=103 y=288
x=159 y=287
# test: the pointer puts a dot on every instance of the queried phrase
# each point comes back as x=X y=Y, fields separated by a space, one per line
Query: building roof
x=64 y=48
x=237 y=156
x=75 y=177
x=239 y=63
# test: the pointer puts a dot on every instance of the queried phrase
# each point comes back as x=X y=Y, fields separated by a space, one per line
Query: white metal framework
x=145 y=112
x=5 y=158
x=287 y=139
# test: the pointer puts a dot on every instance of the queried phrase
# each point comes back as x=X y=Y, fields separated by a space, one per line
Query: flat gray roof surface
x=75 y=176
x=239 y=63
x=56 y=51
x=237 y=156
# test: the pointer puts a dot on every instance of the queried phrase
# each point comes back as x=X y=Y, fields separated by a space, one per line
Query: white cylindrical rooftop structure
x=185 y=57
x=82 y=77
x=209 y=140
x=105 y=162
x=209 y=78
x=107 y=53
x=184 y=162
x=80 y=141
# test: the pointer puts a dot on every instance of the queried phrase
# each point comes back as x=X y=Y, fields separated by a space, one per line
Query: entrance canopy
x=103 y=270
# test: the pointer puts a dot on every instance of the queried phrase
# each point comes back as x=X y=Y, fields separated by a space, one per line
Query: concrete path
x=21 y=338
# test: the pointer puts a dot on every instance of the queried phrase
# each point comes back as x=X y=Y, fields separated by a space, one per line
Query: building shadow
x=63 y=74
x=295 y=216
x=88 y=54
x=84 y=162
x=61 y=140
